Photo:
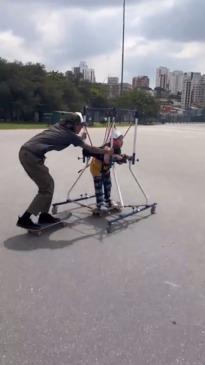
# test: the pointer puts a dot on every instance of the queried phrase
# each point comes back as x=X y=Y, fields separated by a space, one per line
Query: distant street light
x=123 y=45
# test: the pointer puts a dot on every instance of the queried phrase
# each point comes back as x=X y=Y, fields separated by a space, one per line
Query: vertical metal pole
x=107 y=131
x=135 y=139
x=111 y=133
x=85 y=126
x=118 y=186
x=123 y=46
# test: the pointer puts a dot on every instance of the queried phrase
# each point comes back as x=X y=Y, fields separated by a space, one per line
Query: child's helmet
x=116 y=134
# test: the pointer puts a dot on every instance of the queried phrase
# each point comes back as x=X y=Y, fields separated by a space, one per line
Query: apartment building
x=175 y=81
x=140 y=82
x=193 y=91
x=162 y=77
x=84 y=72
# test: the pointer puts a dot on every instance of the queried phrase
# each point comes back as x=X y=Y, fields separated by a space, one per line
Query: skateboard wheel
x=54 y=209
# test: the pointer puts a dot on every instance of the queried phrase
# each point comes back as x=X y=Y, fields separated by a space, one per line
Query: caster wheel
x=109 y=229
x=153 y=209
x=54 y=210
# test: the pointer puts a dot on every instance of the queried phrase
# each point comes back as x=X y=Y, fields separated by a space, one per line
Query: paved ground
x=134 y=297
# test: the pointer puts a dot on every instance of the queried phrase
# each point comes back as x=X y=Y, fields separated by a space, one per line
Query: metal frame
x=134 y=208
x=108 y=131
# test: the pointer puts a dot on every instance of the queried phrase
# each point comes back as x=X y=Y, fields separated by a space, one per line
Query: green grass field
x=38 y=125
x=23 y=126
x=10 y=125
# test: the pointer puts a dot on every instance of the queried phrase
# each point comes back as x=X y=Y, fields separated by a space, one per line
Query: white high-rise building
x=192 y=89
x=83 y=65
x=176 y=82
x=202 y=95
x=88 y=73
x=186 y=91
x=162 y=77
x=198 y=92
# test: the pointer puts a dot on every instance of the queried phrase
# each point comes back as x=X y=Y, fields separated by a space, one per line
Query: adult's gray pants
x=39 y=173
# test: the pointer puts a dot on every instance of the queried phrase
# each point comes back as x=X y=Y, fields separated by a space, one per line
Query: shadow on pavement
x=29 y=242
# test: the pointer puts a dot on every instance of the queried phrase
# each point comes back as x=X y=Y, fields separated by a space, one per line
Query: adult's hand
x=108 y=150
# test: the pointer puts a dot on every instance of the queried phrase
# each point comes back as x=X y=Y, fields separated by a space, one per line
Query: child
x=100 y=170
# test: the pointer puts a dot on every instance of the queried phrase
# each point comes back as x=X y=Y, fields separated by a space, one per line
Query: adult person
x=32 y=158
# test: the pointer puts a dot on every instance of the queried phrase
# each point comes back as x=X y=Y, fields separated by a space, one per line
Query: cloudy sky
x=61 y=33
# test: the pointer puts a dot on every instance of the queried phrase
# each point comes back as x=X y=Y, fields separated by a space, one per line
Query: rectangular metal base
x=135 y=210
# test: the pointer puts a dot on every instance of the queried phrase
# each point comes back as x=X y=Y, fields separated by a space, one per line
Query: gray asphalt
x=78 y=295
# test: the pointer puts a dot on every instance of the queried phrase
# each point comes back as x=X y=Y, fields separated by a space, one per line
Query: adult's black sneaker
x=46 y=218
x=27 y=223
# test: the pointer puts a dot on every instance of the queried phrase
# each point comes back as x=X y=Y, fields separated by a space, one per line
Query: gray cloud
x=85 y=35
x=81 y=3
x=184 y=22
x=86 y=40
x=147 y=65
x=61 y=33
x=19 y=20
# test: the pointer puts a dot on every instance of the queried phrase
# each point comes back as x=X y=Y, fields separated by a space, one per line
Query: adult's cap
x=116 y=134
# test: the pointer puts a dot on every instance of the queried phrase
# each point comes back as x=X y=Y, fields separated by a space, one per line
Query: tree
x=140 y=100
x=27 y=90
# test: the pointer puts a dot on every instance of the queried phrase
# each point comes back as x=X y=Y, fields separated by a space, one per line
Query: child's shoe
x=112 y=204
x=102 y=208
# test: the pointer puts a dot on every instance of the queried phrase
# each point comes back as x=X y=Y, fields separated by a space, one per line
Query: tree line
x=27 y=91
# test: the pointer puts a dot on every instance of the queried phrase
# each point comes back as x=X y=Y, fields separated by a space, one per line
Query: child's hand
x=118 y=158
x=121 y=158
x=124 y=158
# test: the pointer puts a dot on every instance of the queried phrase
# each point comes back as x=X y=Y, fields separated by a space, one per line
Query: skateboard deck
x=44 y=227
